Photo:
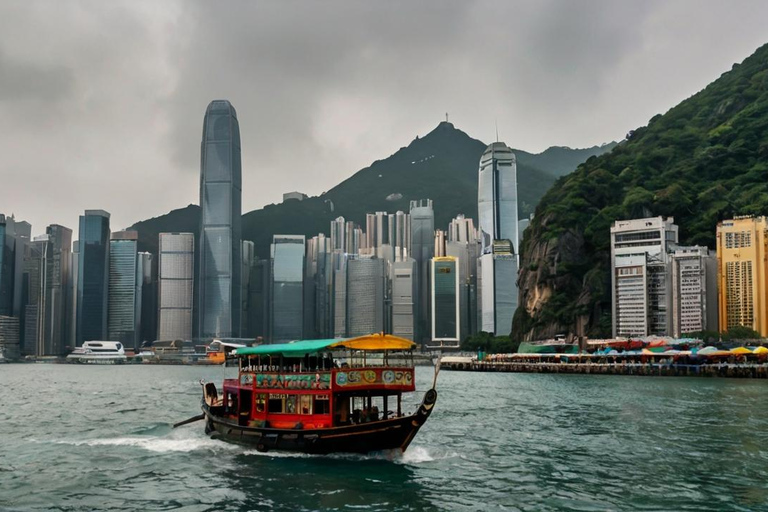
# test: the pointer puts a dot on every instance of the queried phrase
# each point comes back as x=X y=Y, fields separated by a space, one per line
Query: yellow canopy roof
x=740 y=350
x=761 y=350
x=378 y=341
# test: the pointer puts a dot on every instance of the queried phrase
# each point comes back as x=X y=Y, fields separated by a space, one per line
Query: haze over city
x=100 y=103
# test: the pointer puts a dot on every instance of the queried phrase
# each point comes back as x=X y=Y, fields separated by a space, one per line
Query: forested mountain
x=703 y=161
x=441 y=166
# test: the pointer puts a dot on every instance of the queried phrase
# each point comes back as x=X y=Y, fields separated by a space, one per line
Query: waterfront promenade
x=596 y=365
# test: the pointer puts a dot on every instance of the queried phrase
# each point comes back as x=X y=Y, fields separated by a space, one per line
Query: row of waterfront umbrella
x=709 y=351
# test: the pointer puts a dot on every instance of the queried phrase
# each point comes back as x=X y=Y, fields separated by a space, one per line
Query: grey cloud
x=101 y=103
x=20 y=81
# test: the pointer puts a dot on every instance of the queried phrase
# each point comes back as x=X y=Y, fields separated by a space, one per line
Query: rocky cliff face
x=554 y=297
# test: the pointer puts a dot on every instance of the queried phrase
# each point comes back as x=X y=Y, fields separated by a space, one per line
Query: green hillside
x=704 y=160
x=441 y=166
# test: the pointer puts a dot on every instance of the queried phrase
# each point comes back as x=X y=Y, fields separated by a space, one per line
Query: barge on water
x=297 y=397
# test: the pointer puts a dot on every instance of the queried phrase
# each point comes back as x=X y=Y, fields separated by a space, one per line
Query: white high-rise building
x=498 y=231
x=694 y=290
x=176 y=281
x=497 y=196
x=641 y=291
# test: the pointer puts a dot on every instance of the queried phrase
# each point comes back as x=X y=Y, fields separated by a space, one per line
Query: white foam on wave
x=422 y=454
x=157 y=444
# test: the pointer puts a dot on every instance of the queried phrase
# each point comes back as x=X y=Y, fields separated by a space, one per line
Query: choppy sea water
x=99 y=438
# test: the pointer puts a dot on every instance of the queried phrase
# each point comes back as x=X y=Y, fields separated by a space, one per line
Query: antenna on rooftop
x=497 y=129
x=446 y=117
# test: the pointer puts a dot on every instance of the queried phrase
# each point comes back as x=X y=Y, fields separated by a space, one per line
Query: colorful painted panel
x=295 y=381
x=374 y=377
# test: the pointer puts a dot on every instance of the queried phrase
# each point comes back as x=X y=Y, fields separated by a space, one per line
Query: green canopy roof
x=300 y=348
x=292 y=349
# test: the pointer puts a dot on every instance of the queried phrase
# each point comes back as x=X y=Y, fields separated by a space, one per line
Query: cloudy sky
x=101 y=103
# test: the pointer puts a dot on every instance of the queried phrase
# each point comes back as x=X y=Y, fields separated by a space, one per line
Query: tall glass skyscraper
x=93 y=276
x=422 y=250
x=446 y=318
x=125 y=280
x=497 y=196
x=220 y=288
x=498 y=227
x=287 y=288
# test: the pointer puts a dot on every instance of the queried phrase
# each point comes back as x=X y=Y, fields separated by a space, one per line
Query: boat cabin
x=317 y=384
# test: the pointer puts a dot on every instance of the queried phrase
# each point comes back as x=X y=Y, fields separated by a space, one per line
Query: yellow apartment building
x=742 y=272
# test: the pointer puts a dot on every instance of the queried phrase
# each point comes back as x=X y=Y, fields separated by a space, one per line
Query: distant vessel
x=218 y=351
x=98 y=352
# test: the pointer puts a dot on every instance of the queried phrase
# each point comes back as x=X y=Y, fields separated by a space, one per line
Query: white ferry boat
x=98 y=352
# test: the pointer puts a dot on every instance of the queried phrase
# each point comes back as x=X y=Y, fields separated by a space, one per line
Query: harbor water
x=78 y=437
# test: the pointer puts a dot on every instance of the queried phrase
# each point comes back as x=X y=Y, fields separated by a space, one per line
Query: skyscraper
x=56 y=310
x=742 y=273
x=400 y=235
x=287 y=288
x=694 y=290
x=422 y=250
x=446 y=314
x=219 y=300
x=641 y=291
x=498 y=230
x=147 y=296
x=404 y=297
x=125 y=280
x=365 y=296
x=176 y=279
x=93 y=276
x=497 y=196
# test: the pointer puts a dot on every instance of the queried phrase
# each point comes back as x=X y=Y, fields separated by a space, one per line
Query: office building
x=446 y=312
x=365 y=296
x=147 y=270
x=340 y=261
x=694 y=290
x=404 y=296
x=55 y=308
x=641 y=291
x=287 y=288
x=93 y=276
x=176 y=283
x=742 y=270
x=219 y=286
x=125 y=281
x=422 y=250
x=14 y=237
x=9 y=338
x=498 y=232
x=496 y=282
x=248 y=255
x=338 y=235
x=497 y=197
x=319 y=278
x=399 y=226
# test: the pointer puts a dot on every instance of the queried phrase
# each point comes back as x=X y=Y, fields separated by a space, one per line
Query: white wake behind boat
x=99 y=352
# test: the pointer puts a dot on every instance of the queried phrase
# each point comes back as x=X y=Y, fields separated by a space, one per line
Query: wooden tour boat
x=297 y=397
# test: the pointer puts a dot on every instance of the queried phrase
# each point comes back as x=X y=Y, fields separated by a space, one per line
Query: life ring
x=430 y=397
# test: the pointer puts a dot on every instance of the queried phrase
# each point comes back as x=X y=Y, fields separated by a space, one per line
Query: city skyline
x=128 y=125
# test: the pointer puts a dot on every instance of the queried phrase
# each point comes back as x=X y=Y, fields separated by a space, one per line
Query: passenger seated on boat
x=372 y=414
x=356 y=416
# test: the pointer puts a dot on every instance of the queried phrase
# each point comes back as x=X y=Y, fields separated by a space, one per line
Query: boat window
x=261 y=401
x=305 y=403
x=322 y=404
x=290 y=404
x=276 y=403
